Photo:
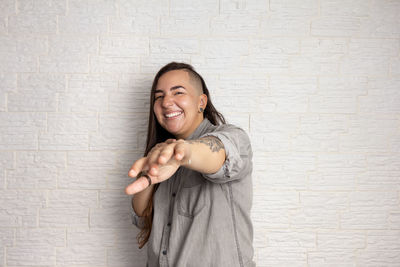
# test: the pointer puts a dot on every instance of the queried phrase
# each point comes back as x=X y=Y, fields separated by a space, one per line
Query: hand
x=160 y=163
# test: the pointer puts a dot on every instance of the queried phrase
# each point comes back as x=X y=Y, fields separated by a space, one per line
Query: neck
x=198 y=120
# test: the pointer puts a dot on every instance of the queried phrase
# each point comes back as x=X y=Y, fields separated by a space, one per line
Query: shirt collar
x=200 y=129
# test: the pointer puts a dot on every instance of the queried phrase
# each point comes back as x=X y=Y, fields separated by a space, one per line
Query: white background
x=315 y=83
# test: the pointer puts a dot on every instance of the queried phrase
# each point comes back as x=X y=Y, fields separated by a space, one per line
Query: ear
x=203 y=101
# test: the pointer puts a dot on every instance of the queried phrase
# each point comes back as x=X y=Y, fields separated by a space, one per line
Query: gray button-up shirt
x=204 y=219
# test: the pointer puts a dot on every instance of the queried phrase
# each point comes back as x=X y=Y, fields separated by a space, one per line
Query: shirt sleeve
x=238 y=162
x=136 y=219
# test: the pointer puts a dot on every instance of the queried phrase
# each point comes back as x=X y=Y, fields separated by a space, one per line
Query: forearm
x=140 y=200
x=205 y=155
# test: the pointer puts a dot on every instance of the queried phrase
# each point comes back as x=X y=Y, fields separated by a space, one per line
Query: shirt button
x=164 y=252
x=173 y=194
x=169 y=224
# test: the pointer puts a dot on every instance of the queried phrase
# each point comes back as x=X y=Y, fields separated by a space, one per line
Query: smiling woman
x=193 y=192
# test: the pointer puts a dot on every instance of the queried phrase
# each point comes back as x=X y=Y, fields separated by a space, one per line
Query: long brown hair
x=157 y=134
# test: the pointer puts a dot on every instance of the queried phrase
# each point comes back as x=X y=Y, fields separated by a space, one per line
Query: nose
x=167 y=101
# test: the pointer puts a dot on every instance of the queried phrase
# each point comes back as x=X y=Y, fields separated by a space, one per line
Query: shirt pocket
x=190 y=198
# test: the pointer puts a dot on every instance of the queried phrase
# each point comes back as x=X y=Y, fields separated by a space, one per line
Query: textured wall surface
x=315 y=83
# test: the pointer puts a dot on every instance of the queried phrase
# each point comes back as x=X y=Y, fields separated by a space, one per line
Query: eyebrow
x=172 y=88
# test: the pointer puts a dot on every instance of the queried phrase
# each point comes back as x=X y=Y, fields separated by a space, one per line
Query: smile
x=173 y=114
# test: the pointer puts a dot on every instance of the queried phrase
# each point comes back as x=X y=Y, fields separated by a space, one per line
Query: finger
x=153 y=157
x=171 y=140
x=166 y=154
x=137 y=167
x=179 y=152
x=137 y=186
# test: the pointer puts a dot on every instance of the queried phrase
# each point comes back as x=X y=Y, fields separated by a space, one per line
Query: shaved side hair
x=195 y=81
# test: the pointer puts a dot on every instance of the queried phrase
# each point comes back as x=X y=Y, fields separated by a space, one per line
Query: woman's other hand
x=161 y=163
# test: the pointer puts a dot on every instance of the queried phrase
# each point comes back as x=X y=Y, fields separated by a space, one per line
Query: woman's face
x=177 y=102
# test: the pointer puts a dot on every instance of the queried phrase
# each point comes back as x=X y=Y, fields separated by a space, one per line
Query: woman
x=193 y=192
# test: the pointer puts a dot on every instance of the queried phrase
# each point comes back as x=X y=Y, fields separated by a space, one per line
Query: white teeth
x=170 y=115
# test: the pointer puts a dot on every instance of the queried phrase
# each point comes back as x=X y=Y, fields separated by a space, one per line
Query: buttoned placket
x=174 y=183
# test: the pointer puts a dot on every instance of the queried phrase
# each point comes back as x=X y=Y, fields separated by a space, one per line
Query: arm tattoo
x=212 y=142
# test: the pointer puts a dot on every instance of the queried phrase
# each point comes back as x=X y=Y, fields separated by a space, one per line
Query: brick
x=114 y=64
x=292 y=239
x=32 y=101
x=382 y=20
x=90 y=237
x=331 y=26
x=234 y=24
x=340 y=240
x=129 y=102
x=71 y=123
x=68 y=45
x=277 y=25
x=314 y=218
x=135 y=8
x=33 y=177
x=99 y=84
x=252 y=7
x=174 y=46
x=383 y=240
x=109 y=199
x=276 y=256
x=39 y=237
x=25 y=45
x=298 y=85
x=207 y=7
x=83 y=24
x=26 y=256
x=363 y=218
x=91 y=160
x=10 y=140
x=41 y=159
x=363 y=126
x=40 y=82
x=381 y=257
x=381 y=173
x=337 y=171
x=138 y=83
x=64 y=217
x=7 y=7
x=75 y=178
x=72 y=199
x=18 y=63
x=344 y=8
x=217 y=47
x=189 y=25
x=394 y=220
x=32 y=23
x=22 y=122
x=50 y=7
x=329 y=258
x=6 y=237
x=8 y=82
x=383 y=97
x=125 y=256
x=276 y=135
x=92 y=7
x=324 y=200
x=268 y=218
x=110 y=218
x=307 y=8
x=63 y=141
x=119 y=131
x=88 y=256
x=121 y=46
x=83 y=102
x=140 y=24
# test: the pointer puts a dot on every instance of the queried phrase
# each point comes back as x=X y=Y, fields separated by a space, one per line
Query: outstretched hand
x=161 y=163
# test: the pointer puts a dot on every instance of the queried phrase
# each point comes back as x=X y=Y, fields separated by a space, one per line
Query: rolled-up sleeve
x=238 y=154
x=136 y=219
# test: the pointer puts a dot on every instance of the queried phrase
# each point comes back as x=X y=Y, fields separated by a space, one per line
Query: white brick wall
x=315 y=83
